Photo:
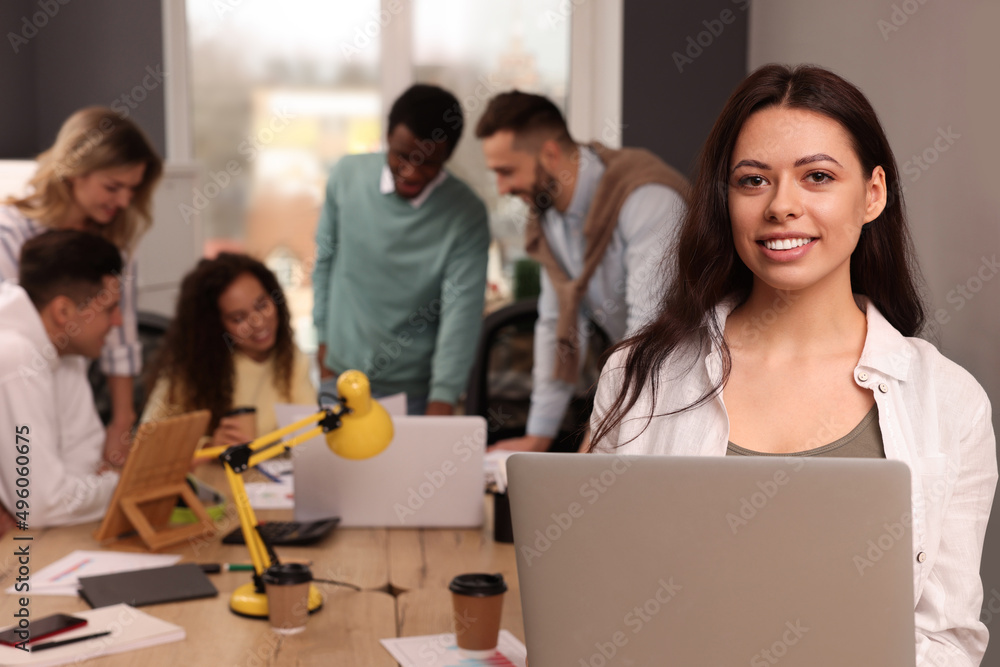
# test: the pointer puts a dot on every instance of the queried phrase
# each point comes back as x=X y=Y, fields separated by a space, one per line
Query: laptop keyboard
x=288 y=532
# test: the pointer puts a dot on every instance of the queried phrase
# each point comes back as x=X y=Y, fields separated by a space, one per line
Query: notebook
x=186 y=581
x=430 y=475
x=130 y=629
x=713 y=560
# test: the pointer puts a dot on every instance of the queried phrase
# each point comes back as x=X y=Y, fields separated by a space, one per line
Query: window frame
x=595 y=86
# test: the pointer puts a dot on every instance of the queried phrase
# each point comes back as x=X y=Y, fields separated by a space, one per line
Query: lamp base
x=246 y=601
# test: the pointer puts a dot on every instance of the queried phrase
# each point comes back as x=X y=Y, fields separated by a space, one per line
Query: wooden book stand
x=153 y=479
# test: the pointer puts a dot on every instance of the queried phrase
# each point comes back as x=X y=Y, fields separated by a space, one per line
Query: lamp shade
x=367 y=429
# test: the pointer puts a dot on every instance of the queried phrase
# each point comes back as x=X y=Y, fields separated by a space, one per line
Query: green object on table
x=215 y=503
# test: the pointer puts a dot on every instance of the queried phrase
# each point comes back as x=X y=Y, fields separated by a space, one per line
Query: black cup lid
x=287 y=574
x=478 y=584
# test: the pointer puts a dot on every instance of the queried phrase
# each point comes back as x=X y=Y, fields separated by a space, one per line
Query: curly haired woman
x=229 y=345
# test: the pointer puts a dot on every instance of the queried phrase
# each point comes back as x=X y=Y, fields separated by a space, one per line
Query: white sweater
x=48 y=400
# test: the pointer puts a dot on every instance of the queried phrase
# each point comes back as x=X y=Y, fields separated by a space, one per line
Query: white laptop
x=713 y=560
x=430 y=475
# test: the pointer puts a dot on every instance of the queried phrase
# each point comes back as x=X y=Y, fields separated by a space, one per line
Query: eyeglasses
x=262 y=308
x=418 y=161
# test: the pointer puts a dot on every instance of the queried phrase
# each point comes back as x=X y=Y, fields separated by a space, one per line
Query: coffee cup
x=287 y=587
x=246 y=417
x=478 y=600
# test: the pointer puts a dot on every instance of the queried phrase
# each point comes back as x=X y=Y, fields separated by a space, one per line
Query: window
x=477 y=50
x=275 y=102
x=280 y=91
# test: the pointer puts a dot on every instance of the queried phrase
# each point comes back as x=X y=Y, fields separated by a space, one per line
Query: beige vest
x=624 y=171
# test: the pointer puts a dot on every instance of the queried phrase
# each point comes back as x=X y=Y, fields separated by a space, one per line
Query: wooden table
x=403 y=575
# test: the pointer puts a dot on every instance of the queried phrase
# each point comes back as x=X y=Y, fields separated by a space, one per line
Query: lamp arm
x=266 y=455
x=324 y=417
x=260 y=555
x=248 y=523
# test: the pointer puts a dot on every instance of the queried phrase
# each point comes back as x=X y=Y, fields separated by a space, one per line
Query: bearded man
x=599 y=224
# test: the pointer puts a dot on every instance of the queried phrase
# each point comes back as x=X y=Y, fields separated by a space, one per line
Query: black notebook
x=142 y=587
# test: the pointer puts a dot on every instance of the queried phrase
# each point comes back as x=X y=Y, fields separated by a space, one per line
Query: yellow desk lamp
x=356 y=427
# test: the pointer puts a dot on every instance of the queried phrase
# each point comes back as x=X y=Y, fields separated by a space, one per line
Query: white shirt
x=621 y=294
x=933 y=416
x=50 y=396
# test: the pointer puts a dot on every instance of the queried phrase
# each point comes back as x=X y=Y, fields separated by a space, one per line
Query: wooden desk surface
x=403 y=575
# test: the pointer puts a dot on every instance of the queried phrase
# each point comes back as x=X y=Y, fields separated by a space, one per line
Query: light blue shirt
x=622 y=294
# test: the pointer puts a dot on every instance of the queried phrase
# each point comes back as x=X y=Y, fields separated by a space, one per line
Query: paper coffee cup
x=478 y=601
x=287 y=587
x=246 y=416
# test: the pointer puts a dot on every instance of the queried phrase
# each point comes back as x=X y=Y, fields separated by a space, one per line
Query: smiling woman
x=249 y=317
x=789 y=326
x=97 y=177
x=229 y=346
x=800 y=201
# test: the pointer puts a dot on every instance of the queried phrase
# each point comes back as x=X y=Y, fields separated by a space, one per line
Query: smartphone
x=42 y=628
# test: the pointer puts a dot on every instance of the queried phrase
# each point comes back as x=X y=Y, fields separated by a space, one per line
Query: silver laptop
x=430 y=475
x=713 y=561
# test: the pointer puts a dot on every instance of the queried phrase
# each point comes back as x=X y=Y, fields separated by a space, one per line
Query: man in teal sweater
x=400 y=271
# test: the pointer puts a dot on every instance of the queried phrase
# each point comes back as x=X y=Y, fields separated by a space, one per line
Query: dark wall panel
x=17 y=79
x=681 y=61
x=56 y=58
x=105 y=52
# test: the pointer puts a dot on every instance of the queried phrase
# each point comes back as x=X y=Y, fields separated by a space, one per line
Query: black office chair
x=152 y=328
x=500 y=382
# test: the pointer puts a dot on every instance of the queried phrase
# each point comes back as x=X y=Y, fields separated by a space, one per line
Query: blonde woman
x=97 y=177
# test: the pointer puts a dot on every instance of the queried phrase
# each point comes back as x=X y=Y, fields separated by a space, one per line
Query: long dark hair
x=707 y=269
x=196 y=357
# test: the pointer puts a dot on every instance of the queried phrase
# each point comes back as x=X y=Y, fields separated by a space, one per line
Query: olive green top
x=863 y=442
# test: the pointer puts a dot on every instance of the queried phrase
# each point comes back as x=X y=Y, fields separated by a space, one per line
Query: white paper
x=495 y=467
x=272 y=495
x=63 y=576
x=442 y=651
x=130 y=629
x=277 y=466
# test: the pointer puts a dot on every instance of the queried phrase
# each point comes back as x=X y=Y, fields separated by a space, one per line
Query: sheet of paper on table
x=495 y=467
x=272 y=495
x=130 y=629
x=442 y=651
x=63 y=576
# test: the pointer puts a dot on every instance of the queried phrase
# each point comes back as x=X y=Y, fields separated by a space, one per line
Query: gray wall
x=681 y=62
x=17 y=80
x=79 y=54
x=929 y=73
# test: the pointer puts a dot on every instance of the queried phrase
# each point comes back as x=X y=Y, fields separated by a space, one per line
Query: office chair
x=500 y=383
